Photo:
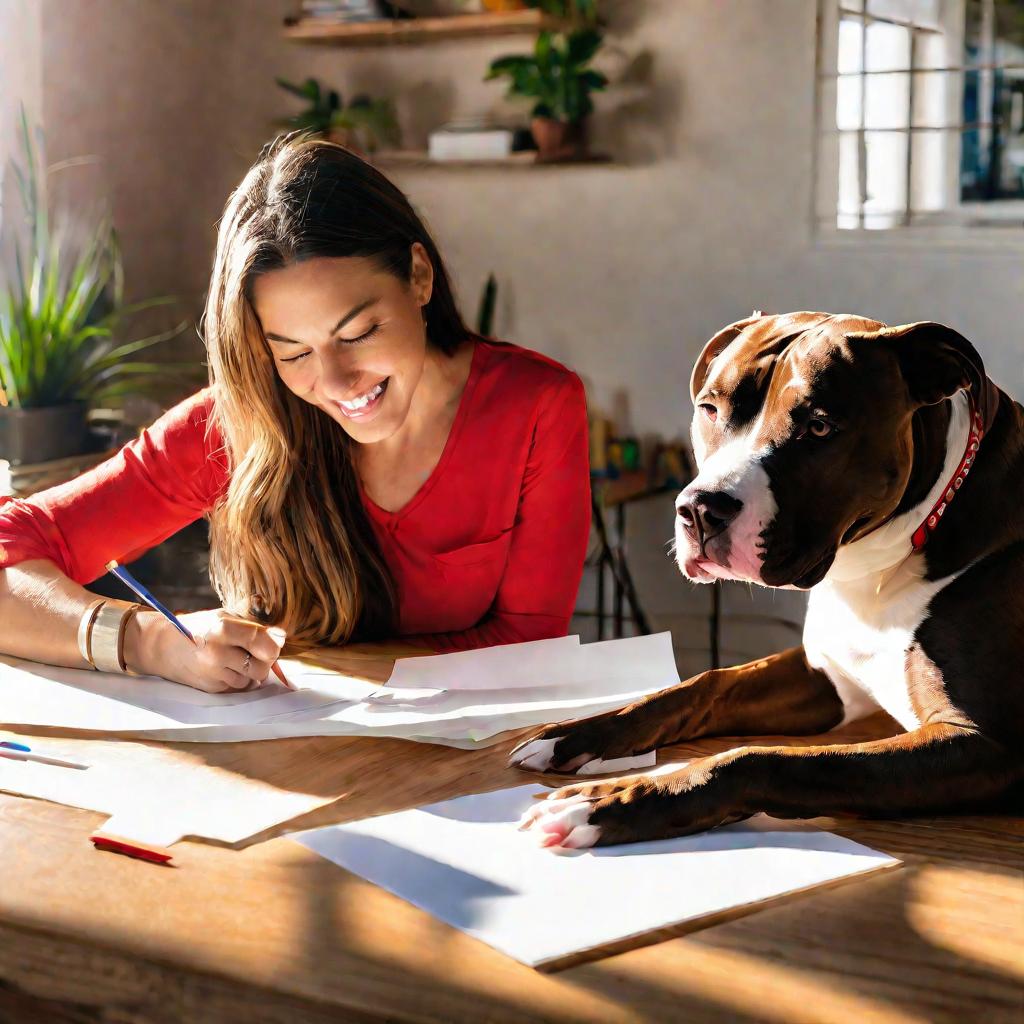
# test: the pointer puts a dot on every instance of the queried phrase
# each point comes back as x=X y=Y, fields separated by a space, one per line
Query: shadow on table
x=835 y=955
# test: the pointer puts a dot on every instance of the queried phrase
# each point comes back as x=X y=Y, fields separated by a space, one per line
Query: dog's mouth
x=813 y=575
x=855 y=528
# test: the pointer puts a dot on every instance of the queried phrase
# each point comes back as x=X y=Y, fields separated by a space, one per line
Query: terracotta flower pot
x=503 y=5
x=558 y=140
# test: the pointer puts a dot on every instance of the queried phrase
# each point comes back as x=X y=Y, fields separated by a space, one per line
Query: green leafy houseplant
x=62 y=314
x=362 y=124
x=558 y=77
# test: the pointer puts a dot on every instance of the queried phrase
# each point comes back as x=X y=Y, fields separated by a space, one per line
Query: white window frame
x=960 y=224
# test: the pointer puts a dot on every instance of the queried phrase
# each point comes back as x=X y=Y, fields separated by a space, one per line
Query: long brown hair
x=290 y=541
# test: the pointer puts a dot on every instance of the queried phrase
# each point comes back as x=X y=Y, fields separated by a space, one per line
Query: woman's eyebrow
x=351 y=314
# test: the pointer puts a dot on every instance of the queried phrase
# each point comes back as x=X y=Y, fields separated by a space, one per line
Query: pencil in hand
x=143 y=594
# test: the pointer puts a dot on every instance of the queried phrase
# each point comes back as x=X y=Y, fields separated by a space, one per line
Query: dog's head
x=802 y=432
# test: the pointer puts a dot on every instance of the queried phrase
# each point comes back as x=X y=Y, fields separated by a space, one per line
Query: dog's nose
x=705 y=514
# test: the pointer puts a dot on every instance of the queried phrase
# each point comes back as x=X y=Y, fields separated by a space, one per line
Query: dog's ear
x=936 y=361
x=714 y=347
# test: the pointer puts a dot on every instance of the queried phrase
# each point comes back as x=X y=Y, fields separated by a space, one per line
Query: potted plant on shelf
x=558 y=77
x=362 y=125
x=61 y=313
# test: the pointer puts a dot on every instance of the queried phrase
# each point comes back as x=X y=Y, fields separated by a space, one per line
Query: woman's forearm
x=40 y=609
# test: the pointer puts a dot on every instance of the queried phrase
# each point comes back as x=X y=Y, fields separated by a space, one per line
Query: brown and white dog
x=880 y=468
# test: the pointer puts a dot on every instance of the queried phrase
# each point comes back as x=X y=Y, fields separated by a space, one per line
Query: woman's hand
x=230 y=653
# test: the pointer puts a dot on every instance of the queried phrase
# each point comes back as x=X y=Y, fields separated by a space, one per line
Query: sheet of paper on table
x=465 y=862
x=486 y=693
x=155 y=795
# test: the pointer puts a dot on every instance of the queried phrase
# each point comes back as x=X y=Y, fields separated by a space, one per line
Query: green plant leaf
x=593 y=80
x=582 y=45
x=297 y=90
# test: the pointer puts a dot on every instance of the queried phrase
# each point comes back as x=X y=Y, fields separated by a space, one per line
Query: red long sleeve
x=163 y=480
x=489 y=550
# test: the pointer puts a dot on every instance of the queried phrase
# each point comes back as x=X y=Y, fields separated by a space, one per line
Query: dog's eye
x=709 y=410
x=819 y=428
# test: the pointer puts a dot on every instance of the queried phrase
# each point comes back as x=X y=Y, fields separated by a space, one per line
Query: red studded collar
x=977 y=432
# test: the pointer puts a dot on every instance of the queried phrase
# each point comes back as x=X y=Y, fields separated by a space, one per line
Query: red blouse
x=488 y=551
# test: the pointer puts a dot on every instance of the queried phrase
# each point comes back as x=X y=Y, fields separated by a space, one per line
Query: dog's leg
x=934 y=769
x=777 y=695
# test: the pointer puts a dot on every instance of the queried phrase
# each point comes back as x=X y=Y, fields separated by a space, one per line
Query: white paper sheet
x=582 y=680
x=464 y=861
x=152 y=794
x=502 y=667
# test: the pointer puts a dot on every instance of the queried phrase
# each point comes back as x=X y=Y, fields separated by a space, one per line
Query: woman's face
x=348 y=337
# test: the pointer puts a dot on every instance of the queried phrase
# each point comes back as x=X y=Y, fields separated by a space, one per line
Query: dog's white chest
x=859 y=636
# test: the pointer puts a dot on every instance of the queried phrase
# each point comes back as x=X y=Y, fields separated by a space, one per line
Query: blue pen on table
x=133 y=584
x=20 y=752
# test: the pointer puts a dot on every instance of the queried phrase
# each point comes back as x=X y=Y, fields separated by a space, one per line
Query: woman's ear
x=421 y=277
x=718 y=344
x=936 y=361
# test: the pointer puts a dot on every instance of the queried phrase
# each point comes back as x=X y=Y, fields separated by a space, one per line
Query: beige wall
x=622 y=271
x=20 y=81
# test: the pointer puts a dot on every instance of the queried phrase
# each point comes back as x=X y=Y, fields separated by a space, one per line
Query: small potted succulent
x=559 y=80
x=362 y=124
x=61 y=315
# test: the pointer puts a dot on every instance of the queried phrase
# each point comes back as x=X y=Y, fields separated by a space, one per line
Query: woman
x=370 y=468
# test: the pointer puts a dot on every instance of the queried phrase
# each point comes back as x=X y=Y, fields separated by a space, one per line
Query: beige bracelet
x=132 y=612
x=85 y=629
x=106 y=641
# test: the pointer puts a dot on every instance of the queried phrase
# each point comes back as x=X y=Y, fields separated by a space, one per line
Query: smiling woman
x=370 y=467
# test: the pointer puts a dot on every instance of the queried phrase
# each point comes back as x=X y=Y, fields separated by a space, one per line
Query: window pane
x=928 y=170
x=898 y=10
x=886 y=165
x=887 y=101
x=849 y=175
x=999 y=39
x=848 y=108
x=848 y=55
x=932 y=51
x=928 y=14
x=992 y=157
x=888 y=47
x=933 y=92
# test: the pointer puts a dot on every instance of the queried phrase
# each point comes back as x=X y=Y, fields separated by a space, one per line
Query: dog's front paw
x=631 y=810
x=583 y=745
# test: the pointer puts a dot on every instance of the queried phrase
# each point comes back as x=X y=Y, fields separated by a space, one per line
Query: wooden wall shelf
x=419 y=30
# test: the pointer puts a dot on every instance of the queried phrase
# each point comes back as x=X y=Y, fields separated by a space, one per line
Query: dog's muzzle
x=706 y=514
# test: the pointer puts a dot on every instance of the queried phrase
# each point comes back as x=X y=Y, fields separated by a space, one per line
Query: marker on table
x=133 y=584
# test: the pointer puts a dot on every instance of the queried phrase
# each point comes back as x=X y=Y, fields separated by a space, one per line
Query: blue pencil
x=133 y=584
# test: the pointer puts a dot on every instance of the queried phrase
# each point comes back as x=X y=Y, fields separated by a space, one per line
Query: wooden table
x=272 y=933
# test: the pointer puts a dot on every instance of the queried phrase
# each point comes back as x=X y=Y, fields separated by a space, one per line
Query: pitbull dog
x=879 y=468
